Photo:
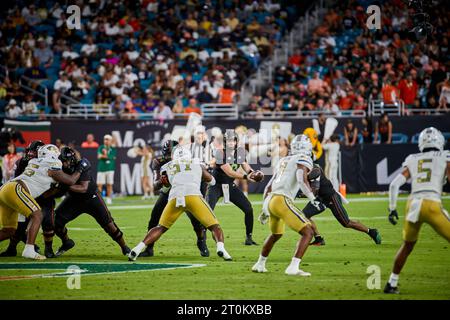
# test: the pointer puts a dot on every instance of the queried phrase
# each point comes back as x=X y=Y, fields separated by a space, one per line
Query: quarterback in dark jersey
x=325 y=193
x=227 y=162
x=83 y=197
x=162 y=200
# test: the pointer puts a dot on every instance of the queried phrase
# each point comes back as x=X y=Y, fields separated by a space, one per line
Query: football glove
x=318 y=205
x=263 y=218
x=83 y=166
x=393 y=217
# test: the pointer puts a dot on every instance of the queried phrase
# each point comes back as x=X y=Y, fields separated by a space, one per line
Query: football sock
x=295 y=263
x=393 y=280
x=29 y=247
x=262 y=260
x=138 y=249
x=220 y=246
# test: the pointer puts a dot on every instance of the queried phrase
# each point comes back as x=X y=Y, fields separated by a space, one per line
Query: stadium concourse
x=254 y=104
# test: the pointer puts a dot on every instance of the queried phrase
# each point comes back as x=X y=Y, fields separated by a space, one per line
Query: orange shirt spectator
x=390 y=93
x=192 y=107
x=346 y=103
x=90 y=142
x=296 y=59
x=226 y=95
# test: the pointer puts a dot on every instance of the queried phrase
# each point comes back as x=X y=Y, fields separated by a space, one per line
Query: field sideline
x=338 y=268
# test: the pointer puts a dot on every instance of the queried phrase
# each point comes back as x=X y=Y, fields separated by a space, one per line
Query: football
x=257 y=176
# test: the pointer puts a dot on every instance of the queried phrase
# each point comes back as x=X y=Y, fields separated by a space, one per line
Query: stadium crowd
x=345 y=65
x=148 y=56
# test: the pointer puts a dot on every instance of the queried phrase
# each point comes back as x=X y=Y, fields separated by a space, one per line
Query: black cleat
x=249 y=242
x=9 y=252
x=66 y=246
x=48 y=252
x=390 y=289
x=375 y=235
x=126 y=250
x=201 y=245
x=318 y=241
x=148 y=252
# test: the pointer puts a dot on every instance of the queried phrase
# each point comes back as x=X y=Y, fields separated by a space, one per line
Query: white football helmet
x=181 y=153
x=431 y=138
x=301 y=144
x=48 y=151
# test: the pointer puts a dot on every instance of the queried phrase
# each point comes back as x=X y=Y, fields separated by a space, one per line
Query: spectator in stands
x=204 y=96
x=162 y=112
x=408 y=91
x=383 y=129
x=350 y=133
x=44 y=54
x=390 y=92
x=63 y=84
x=226 y=94
x=13 y=110
x=35 y=71
x=192 y=107
x=315 y=84
x=367 y=130
x=89 y=48
x=29 y=107
x=90 y=142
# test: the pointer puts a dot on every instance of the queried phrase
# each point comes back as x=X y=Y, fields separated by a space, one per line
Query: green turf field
x=338 y=268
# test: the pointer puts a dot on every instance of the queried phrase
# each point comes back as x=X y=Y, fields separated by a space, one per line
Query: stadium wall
x=365 y=168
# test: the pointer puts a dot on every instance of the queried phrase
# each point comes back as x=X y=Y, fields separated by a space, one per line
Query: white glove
x=263 y=217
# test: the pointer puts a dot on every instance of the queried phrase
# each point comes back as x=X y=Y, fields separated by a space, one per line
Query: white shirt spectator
x=161 y=66
x=130 y=77
x=132 y=55
x=117 y=91
x=328 y=41
x=62 y=85
x=223 y=29
x=111 y=30
x=88 y=49
x=13 y=110
x=203 y=55
x=70 y=54
x=249 y=49
x=165 y=113
x=217 y=54
x=29 y=107
x=110 y=82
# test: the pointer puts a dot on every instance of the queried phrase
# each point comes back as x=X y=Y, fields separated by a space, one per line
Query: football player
x=83 y=197
x=184 y=175
x=331 y=199
x=162 y=201
x=21 y=231
x=227 y=163
x=279 y=205
x=428 y=170
x=19 y=195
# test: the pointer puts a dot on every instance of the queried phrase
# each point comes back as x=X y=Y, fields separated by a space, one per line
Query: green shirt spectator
x=106 y=155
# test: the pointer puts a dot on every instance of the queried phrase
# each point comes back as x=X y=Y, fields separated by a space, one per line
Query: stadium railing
x=378 y=107
x=220 y=110
x=309 y=114
x=41 y=92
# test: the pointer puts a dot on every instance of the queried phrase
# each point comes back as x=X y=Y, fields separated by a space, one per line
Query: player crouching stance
x=185 y=175
x=18 y=195
x=427 y=170
x=279 y=206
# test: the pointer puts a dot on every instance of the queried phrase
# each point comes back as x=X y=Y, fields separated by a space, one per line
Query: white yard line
x=220 y=204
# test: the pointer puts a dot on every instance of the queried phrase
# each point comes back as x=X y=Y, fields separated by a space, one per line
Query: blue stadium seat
x=399 y=138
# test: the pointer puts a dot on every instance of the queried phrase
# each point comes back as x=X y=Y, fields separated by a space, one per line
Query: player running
x=83 y=197
x=428 y=171
x=331 y=199
x=19 y=194
x=279 y=205
x=185 y=176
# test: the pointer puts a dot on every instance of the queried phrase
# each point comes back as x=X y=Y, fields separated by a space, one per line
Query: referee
x=227 y=163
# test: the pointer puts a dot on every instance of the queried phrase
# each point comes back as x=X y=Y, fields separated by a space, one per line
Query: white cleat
x=31 y=254
x=259 y=268
x=224 y=254
x=132 y=256
x=297 y=272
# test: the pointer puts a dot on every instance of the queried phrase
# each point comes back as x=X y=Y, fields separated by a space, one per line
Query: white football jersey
x=185 y=177
x=36 y=177
x=428 y=172
x=285 y=176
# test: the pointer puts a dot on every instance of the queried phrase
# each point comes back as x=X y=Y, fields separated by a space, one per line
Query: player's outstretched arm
x=207 y=177
x=60 y=176
x=80 y=187
x=395 y=185
x=305 y=187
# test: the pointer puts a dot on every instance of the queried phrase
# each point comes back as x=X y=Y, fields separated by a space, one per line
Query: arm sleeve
x=303 y=187
x=393 y=190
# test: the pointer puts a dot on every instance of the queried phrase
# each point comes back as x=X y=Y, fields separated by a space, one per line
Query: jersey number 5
x=422 y=170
